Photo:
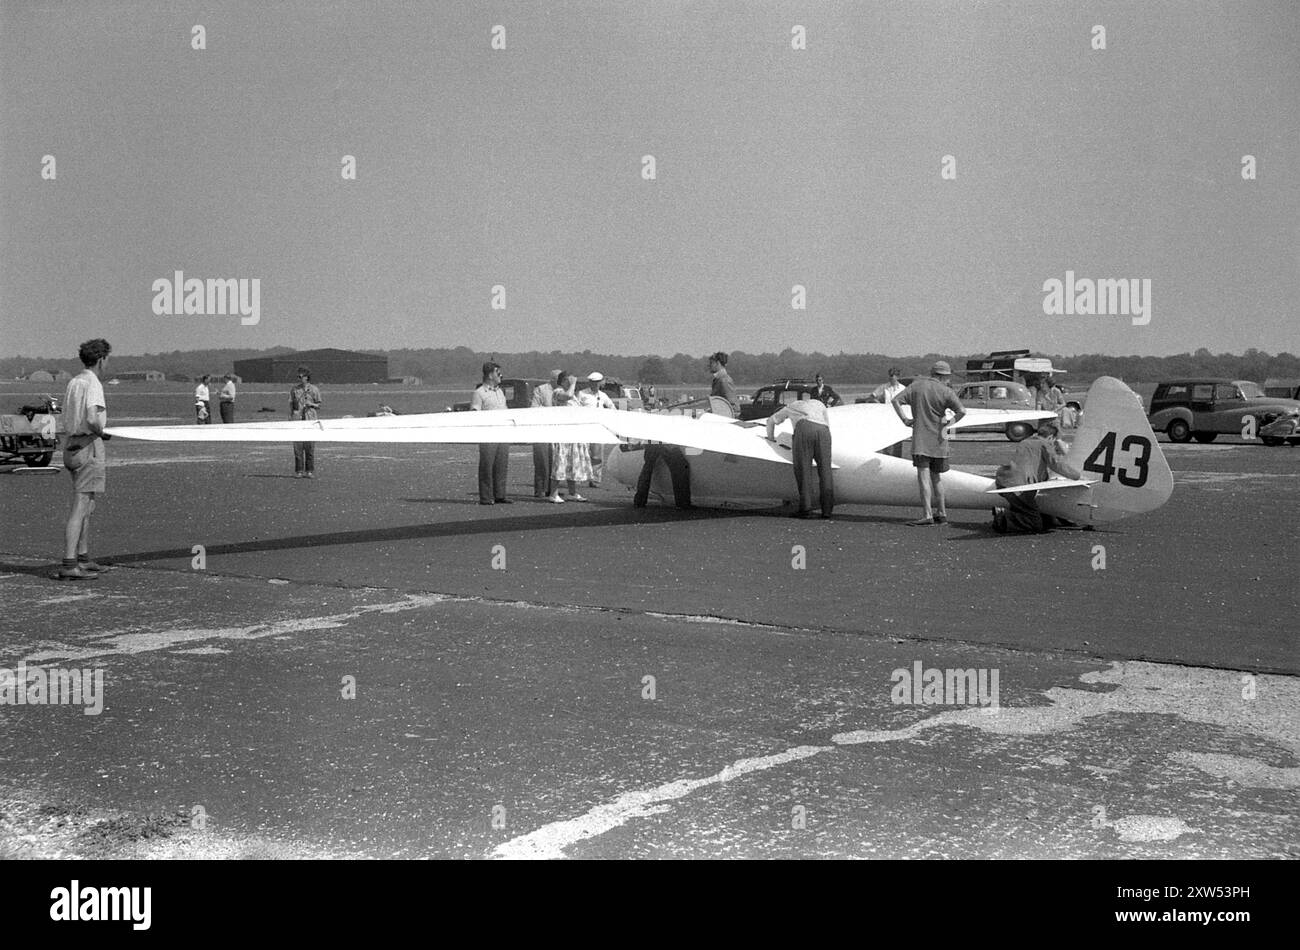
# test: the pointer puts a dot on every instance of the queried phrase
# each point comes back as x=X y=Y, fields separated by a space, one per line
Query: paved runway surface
x=1144 y=709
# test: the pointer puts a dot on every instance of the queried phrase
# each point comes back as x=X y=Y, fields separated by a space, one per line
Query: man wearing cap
x=493 y=457
x=930 y=398
x=543 y=457
x=1031 y=461
x=593 y=398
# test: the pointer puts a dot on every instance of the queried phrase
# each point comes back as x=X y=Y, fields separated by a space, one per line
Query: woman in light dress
x=572 y=459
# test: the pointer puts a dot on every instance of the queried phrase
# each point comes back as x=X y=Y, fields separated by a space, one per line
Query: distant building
x=48 y=376
x=141 y=376
x=327 y=366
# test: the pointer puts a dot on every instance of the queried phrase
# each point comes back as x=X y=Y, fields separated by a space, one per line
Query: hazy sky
x=774 y=166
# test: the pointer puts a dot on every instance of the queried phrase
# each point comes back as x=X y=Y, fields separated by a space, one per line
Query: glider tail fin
x=1116 y=449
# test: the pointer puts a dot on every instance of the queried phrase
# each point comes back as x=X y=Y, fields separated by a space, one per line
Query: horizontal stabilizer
x=985 y=417
x=1048 y=485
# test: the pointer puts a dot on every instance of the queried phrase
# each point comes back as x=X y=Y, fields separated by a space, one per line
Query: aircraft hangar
x=327 y=365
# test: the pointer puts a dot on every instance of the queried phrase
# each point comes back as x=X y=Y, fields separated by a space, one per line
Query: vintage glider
x=733 y=463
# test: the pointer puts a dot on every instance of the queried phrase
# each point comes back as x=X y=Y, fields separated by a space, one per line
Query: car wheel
x=1206 y=437
x=1178 y=431
x=39 y=461
x=1019 y=431
x=1270 y=440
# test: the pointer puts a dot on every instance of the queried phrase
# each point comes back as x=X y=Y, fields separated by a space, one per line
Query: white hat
x=595 y=378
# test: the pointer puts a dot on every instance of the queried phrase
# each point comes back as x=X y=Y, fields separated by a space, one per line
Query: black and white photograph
x=651 y=430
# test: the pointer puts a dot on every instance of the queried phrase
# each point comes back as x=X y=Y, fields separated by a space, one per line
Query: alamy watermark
x=36 y=686
x=1127 y=297
x=215 y=296
x=935 y=687
x=102 y=903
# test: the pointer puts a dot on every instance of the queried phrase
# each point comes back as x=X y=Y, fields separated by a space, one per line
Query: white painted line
x=549 y=841
x=1198 y=695
x=127 y=643
x=1150 y=828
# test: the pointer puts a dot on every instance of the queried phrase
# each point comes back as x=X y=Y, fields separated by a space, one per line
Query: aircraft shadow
x=590 y=516
x=983 y=531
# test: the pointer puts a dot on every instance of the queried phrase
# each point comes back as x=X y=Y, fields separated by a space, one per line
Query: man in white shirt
x=84 y=419
x=593 y=398
x=885 y=393
x=202 y=402
x=493 y=457
x=811 y=440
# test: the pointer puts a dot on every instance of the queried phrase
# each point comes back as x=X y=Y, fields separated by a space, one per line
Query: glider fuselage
x=861 y=477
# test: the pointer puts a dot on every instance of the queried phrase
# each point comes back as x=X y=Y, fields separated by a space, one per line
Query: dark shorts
x=936 y=465
x=86 y=466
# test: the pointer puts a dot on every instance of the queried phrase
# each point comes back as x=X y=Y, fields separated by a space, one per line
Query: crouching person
x=1033 y=458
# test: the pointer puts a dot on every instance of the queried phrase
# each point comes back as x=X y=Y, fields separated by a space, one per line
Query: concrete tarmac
x=593 y=681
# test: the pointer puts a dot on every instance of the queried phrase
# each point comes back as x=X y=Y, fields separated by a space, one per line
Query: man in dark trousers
x=679 y=469
x=543 y=460
x=304 y=401
x=493 y=457
x=1032 y=460
x=811 y=440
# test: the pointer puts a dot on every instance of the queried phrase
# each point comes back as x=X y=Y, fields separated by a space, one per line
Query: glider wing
x=556 y=424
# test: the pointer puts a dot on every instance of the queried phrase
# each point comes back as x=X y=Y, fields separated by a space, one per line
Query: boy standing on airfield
x=84 y=416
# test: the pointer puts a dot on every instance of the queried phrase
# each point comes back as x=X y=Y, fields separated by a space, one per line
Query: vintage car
x=998 y=394
x=624 y=396
x=1282 y=388
x=1285 y=429
x=1204 y=408
x=768 y=399
x=30 y=435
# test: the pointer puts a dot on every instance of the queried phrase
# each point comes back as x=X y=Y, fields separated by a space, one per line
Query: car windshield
x=1250 y=390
